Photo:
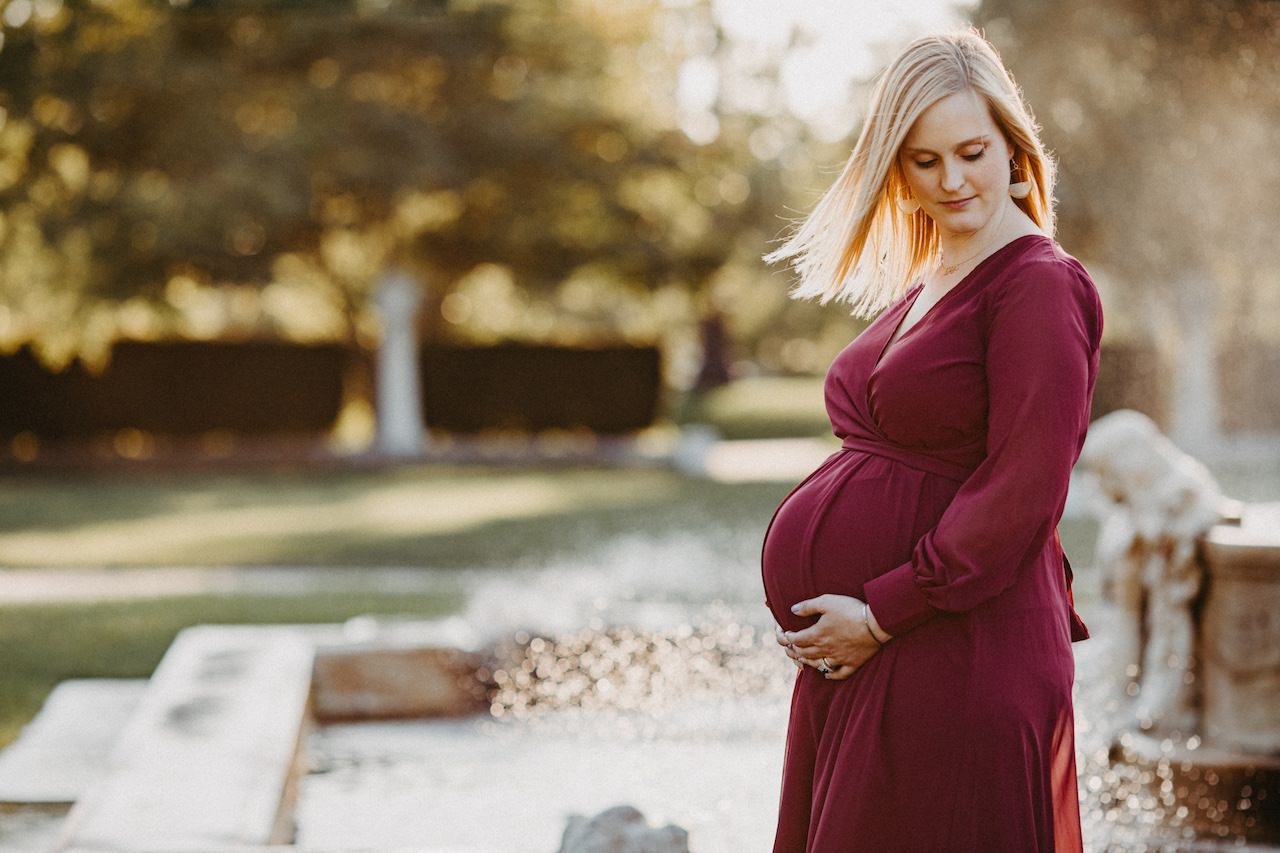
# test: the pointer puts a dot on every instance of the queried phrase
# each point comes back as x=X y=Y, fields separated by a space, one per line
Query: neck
x=957 y=246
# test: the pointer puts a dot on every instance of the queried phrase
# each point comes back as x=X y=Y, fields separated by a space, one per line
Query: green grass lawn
x=419 y=515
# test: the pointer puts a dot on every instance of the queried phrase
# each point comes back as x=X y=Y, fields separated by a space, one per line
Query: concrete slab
x=64 y=749
x=210 y=758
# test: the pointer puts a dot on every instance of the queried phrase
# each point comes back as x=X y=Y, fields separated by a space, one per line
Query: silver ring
x=823 y=666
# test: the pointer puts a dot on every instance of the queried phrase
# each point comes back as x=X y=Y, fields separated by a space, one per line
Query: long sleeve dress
x=941 y=510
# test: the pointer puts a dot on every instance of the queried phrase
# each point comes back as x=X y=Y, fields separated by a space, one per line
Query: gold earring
x=908 y=205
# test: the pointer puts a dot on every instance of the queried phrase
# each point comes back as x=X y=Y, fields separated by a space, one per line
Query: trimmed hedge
x=531 y=387
x=178 y=388
x=184 y=388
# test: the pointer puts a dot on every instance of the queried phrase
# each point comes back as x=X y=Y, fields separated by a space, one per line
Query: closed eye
x=925 y=164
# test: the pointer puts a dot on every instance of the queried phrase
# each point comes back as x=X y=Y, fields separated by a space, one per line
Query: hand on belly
x=841 y=636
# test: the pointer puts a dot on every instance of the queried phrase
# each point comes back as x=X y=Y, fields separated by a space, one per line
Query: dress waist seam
x=951 y=470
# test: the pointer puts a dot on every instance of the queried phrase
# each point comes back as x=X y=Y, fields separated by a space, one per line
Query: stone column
x=401 y=431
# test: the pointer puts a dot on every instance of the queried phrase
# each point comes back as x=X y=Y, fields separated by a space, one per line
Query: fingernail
x=795 y=607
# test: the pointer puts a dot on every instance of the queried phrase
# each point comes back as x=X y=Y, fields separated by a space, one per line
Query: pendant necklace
x=949 y=269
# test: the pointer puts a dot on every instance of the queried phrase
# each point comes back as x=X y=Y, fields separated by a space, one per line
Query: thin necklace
x=949 y=269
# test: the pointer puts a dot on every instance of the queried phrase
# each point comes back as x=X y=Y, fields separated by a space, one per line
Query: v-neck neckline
x=885 y=347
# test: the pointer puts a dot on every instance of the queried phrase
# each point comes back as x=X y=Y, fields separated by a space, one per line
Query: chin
x=974 y=217
x=966 y=220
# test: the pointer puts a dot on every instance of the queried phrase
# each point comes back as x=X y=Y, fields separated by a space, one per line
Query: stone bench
x=209 y=759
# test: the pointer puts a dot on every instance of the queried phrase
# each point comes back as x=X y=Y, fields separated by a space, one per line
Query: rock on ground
x=621 y=829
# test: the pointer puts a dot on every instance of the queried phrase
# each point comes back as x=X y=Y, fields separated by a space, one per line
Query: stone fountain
x=1195 y=577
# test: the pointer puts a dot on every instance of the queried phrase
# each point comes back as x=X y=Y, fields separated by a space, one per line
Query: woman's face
x=955 y=152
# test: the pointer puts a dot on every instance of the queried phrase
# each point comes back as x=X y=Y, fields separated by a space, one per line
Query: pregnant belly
x=852 y=519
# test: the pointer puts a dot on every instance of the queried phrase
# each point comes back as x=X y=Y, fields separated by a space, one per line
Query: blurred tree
x=786 y=167
x=52 y=186
x=1162 y=117
x=287 y=153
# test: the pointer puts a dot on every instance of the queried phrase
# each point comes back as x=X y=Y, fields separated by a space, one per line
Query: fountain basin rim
x=1237 y=552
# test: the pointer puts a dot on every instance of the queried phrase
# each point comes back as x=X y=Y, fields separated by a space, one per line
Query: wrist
x=873 y=626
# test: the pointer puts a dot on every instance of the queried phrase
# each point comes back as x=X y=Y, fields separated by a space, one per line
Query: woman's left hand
x=840 y=635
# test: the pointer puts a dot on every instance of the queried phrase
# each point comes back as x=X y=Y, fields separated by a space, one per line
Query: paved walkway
x=31 y=586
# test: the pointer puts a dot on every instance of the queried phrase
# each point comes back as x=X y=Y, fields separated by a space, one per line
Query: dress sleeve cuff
x=896 y=601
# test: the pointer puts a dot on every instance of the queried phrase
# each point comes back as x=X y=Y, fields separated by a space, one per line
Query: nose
x=952 y=176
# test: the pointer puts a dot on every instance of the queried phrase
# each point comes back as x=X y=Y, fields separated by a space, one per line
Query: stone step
x=210 y=758
x=64 y=749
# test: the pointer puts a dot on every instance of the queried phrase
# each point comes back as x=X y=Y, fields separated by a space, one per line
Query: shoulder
x=1045 y=264
x=1044 y=278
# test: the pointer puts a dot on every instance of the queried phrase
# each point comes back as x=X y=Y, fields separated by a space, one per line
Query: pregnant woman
x=916 y=576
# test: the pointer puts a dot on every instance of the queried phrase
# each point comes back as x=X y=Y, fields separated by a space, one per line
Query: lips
x=956 y=205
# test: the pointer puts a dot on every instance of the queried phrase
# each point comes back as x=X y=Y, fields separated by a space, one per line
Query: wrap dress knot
x=940 y=510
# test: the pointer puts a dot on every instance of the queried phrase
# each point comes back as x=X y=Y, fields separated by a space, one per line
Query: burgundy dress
x=940 y=510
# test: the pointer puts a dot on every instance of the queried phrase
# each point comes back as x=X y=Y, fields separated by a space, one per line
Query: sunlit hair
x=856 y=245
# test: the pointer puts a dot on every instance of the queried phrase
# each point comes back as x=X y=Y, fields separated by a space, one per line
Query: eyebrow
x=983 y=138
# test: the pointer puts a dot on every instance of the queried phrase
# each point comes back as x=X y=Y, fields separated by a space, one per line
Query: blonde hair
x=856 y=245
